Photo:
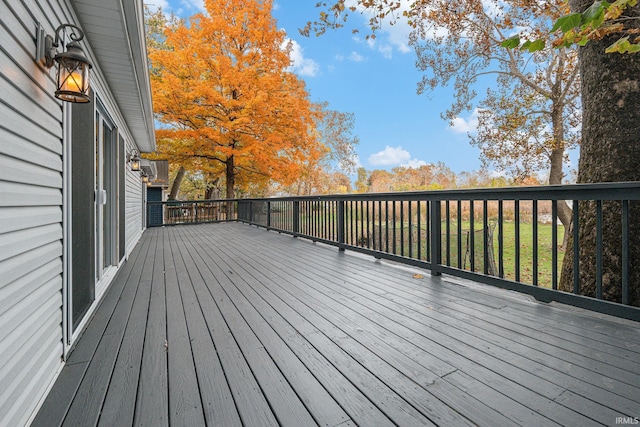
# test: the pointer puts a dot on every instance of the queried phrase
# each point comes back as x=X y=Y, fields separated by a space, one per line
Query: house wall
x=134 y=199
x=33 y=131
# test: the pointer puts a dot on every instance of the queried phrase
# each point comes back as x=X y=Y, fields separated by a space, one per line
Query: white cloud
x=356 y=57
x=386 y=51
x=414 y=164
x=465 y=125
x=301 y=65
x=390 y=156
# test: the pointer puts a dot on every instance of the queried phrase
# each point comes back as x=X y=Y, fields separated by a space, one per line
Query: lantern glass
x=135 y=164
x=73 y=80
x=73 y=74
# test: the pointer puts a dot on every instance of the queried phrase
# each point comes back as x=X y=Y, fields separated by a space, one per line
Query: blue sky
x=375 y=80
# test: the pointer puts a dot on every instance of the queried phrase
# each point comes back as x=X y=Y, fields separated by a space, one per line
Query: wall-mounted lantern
x=145 y=177
x=72 y=73
x=134 y=160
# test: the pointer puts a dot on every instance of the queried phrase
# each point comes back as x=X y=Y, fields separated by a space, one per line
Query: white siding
x=133 y=206
x=31 y=210
x=30 y=216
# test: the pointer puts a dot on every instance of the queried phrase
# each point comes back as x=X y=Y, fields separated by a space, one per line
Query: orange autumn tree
x=227 y=104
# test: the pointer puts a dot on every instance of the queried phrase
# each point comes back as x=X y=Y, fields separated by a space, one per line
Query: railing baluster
x=472 y=235
x=501 y=239
x=386 y=227
x=576 y=248
x=362 y=233
x=516 y=218
x=485 y=235
x=428 y=249
x=534 y=218
x=436 y=236
x=448 y=231
x=599 y=249
x=419 y=225
x=409 y=214
x=554 y=244
x=394 y=227
x=401 y=228
x=460 y=235
x=351 y=217
x=625 y=252
x=293 y=224
x=341 y=223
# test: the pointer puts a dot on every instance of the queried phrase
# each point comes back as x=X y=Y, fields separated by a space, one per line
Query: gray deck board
x=316 y=399
x=395 y=324
x=227 y=324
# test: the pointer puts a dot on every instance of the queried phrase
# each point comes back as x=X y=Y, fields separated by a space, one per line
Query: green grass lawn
x=526 y=252
x=509 y=250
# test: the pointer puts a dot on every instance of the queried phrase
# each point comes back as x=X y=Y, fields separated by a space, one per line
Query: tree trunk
x=212 y=192
x=231 y=183
x=175 y=187
x=610 y=152
x=555 y=172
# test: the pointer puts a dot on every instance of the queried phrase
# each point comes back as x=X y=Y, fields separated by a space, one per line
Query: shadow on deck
x=227 y=324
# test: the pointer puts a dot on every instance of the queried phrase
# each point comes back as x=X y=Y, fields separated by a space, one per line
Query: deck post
x=436 y=237
x=341 y=225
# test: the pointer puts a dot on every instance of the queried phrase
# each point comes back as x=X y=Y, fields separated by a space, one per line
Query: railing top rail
x=600 y=191
x=179 y=202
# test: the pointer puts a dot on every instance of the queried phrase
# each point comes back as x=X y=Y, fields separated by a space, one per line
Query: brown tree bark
x=610 y=152
x=175 y=187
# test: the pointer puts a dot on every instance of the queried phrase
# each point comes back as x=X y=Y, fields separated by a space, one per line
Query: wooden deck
x=228 y=324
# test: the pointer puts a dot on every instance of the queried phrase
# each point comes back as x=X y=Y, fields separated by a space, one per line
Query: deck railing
x=191 y=212
x=506 y=237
